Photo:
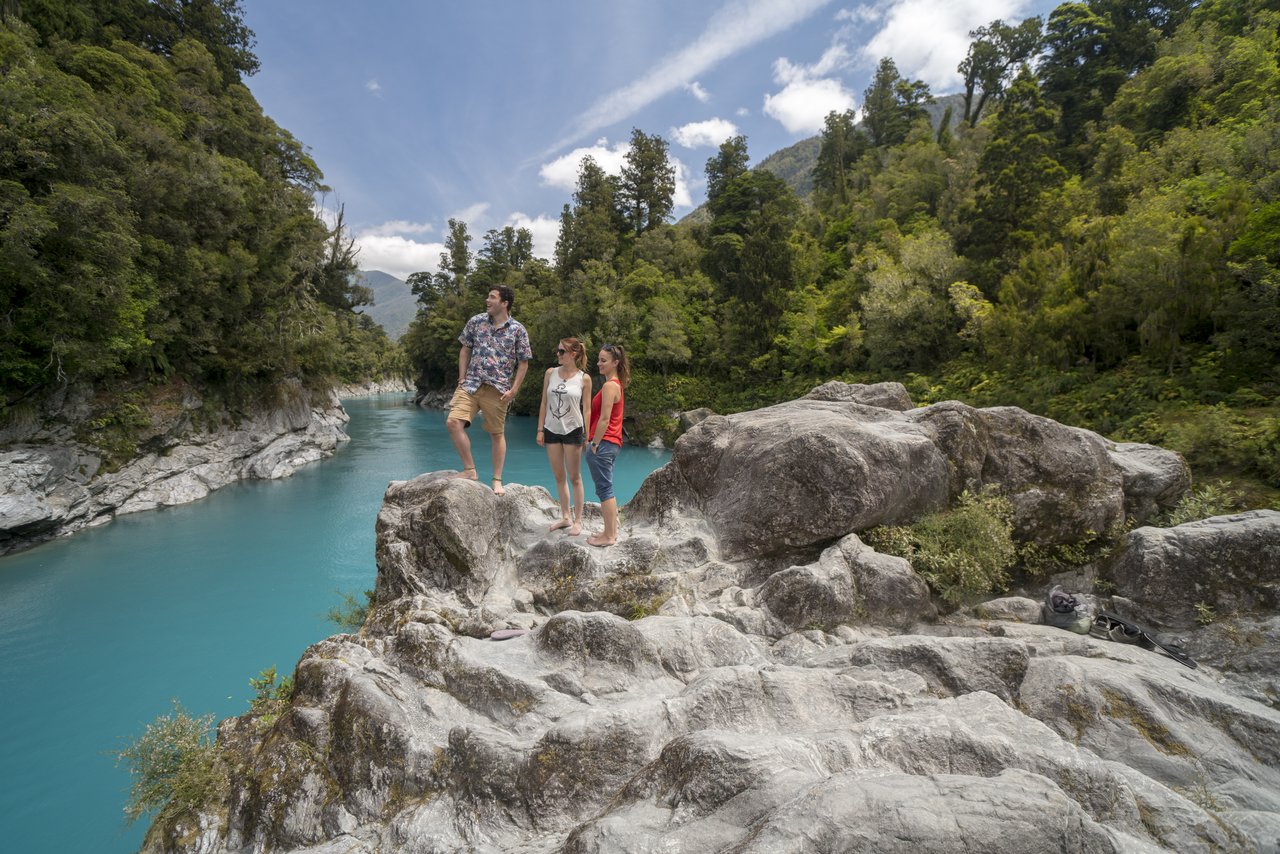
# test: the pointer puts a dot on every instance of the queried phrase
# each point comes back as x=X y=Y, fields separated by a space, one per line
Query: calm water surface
x=100 y=630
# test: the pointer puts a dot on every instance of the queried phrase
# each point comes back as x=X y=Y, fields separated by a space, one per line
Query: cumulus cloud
x=712 y=132
x=400 y=226
x=735 y=26
x=695 y=89
x=562 y=173
x=471 y=215
x=931 y=53
x=545 y=231
x=682 y=198
x=742 y=112
x=374 y=86
x=809 y=92
x=397 y=255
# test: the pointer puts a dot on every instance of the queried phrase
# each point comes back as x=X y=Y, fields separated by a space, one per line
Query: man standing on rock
x=491 y=365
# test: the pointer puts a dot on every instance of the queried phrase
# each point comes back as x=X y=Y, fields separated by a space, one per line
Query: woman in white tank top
x=563 y=414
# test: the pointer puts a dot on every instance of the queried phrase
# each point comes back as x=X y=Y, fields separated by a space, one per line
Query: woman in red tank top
x=605 y=437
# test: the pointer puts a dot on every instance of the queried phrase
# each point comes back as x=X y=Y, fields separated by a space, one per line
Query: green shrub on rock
x=175 y=765
x=962 y=552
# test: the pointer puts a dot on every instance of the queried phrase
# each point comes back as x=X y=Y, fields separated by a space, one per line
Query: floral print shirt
x=495 y=351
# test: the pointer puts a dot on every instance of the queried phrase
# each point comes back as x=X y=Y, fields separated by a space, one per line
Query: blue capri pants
x=601 y=464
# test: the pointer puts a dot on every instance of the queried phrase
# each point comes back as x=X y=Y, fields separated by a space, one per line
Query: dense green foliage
x=1095 y=238
x=154 y=224
x=964 y=552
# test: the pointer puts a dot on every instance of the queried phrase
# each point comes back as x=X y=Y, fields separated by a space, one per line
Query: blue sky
x=481 y=110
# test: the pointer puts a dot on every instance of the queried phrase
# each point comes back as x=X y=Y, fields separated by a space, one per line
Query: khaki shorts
x=487 y=400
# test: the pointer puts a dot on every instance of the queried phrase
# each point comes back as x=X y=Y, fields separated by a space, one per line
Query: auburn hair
x=579 y=351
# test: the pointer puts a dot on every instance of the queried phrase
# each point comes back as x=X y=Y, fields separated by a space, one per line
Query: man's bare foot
x=600 y=540
x=466 y=474
x=563 y=523
x=575 y=529
x=497 y=487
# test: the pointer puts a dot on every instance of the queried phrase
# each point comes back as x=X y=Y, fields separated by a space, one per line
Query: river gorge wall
x=742 y=672
x=53 y=483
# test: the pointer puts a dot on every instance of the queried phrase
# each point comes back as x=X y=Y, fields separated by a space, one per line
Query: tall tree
x=1016 y=167
x=842 y=144
x=891 y=104
x=590 y=230
x=505 y=250
x=338 y=286
x=729 y=162
x=647 y=187
x=455 y=260
x=996 y=51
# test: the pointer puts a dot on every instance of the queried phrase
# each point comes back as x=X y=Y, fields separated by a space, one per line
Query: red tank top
x=613 y=432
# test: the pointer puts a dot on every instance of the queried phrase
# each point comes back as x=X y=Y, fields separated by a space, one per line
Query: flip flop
x=1110 y=627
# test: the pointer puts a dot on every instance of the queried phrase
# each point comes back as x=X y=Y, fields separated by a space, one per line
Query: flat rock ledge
x=720 y=682
x=54 y=488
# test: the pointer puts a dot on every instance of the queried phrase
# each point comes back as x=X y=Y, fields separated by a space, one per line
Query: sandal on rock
x=1110 y=627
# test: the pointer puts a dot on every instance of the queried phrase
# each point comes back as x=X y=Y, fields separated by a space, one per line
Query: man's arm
x=521 y=370
x=464 y=359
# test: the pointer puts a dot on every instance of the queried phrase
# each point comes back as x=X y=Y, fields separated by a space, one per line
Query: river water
x=101 y=630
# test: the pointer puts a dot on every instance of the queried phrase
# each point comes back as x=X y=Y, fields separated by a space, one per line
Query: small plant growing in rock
x=1205 y=615
x=271 y=695
x=962 y=552
x=352 y=613
x=175 y=765
x=1212 y=499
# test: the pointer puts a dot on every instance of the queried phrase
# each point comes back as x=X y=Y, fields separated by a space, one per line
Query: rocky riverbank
x=372 y=387
x=742 y=672
x=52 y=483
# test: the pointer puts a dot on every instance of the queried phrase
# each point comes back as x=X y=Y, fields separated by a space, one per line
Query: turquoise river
x=100 y=631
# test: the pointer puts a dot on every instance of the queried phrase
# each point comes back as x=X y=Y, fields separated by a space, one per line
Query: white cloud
x=400 y=226
x=860 y=14
x=808 y=94
x=742 y=112
x=562 y=172
x=695 y=89
x=374 y=86
x=712 y=132
x=928 y=38
x=682 y=197
x=736 y=25
x=545 y=231
x=471 y=215
x=397 y=255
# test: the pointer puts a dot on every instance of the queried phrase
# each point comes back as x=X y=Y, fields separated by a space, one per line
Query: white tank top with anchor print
x=564 y=403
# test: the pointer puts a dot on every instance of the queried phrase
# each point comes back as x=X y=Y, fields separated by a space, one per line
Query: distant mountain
x=794 y=164
x=394 y=305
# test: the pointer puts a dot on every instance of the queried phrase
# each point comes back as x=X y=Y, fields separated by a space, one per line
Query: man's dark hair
x=506 y=295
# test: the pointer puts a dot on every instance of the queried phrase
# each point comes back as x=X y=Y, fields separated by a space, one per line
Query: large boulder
x=1229 y=564
x=797 y=474
x=779 y=480
x=1062 y=481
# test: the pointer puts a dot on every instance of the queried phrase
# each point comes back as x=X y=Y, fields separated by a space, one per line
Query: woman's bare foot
x=575 y=529
x=466 y=474
x=600 y=540
x=497 y=487
x=563 y=523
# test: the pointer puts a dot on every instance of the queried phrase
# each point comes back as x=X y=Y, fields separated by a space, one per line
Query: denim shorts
x=601 y=464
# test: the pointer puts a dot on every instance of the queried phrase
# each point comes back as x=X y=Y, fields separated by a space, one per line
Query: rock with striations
x=52 y=485
x=707 y=685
